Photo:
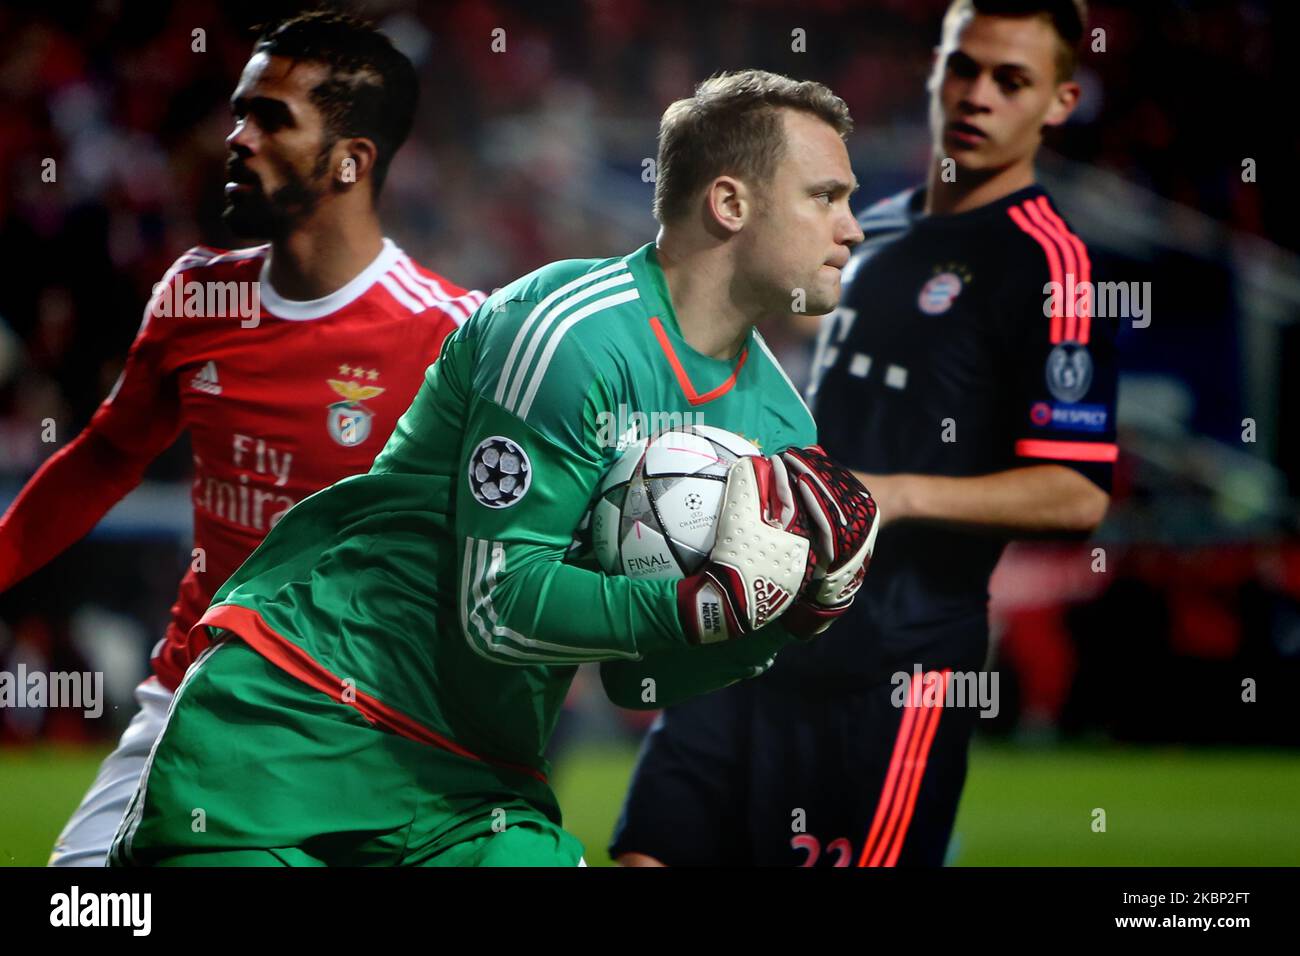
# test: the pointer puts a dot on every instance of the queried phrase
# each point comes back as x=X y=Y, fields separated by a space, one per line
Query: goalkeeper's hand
x=842 y=520
x=761 y=558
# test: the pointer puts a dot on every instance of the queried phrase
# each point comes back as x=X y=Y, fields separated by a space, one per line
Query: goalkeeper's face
x=802 y=231
x=278 y=166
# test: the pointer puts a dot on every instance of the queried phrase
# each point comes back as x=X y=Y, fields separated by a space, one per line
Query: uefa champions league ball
x=657 y=510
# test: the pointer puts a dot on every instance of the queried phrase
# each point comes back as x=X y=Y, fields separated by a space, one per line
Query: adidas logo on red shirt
x=206 y=380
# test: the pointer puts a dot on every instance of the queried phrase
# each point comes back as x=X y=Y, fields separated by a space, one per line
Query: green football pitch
x=1032 y=807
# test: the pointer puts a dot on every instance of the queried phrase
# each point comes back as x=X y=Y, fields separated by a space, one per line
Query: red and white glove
x=842 y=520
x=761 y=558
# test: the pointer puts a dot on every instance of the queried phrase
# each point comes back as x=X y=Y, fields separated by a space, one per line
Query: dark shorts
x=764 y=774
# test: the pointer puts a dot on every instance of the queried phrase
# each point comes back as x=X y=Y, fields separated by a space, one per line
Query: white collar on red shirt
x=299 y=309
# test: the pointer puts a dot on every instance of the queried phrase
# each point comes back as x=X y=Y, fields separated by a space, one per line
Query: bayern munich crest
x=499 y=472
x=938 y=294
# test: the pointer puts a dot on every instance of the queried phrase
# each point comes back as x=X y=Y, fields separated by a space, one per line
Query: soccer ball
x=657 y=510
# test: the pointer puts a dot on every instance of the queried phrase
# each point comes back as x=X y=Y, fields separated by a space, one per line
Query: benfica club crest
x=349 y=421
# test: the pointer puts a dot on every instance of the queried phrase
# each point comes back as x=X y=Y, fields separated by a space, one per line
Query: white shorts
x=86 y=838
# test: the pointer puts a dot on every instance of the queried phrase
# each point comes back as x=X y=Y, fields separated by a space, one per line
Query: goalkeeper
x=395 y=654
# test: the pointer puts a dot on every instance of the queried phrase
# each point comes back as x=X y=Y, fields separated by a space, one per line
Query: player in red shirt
x=288 y=363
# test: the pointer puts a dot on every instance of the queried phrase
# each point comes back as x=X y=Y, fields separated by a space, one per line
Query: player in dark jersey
x=977 y=406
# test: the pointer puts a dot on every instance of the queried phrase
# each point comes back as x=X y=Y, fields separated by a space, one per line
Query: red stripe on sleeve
x=1053 y=261
x=1085 y=264
x=1067 y=450
x=1071 y=268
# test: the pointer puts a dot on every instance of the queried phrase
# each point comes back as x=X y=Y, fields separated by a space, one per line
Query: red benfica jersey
x=281 y=398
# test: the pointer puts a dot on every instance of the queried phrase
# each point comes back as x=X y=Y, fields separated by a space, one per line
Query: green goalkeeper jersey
x=433 y=594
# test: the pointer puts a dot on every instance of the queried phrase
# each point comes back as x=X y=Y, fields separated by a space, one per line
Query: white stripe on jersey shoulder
x=618 y=278
x=200 y=256
x=463 y=306
x=302 y=310
x=407 y=282
x=600 y=305
x=433 y=293
x=507 y=367
x=397 y=292
x=768 y=352
x=236 y=255
x=429 y=290
x=194 y=258
x=435 y=287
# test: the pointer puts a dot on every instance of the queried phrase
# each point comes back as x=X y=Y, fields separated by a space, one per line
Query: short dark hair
x=1067 y=18
x=371 y=90
x=732 y=125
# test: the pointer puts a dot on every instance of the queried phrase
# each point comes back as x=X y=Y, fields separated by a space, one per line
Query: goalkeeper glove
x=843 y=520
x=761 y=557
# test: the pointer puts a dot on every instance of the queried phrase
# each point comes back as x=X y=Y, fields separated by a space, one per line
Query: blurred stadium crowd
x=537 y=153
